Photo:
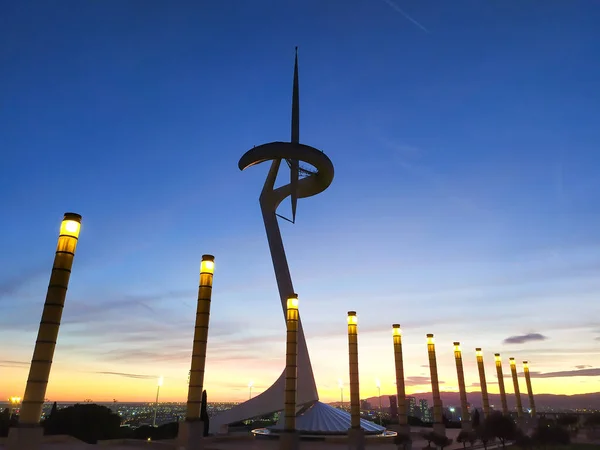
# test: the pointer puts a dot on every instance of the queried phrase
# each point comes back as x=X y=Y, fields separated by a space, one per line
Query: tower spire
x=294 y=163
x=296 y=105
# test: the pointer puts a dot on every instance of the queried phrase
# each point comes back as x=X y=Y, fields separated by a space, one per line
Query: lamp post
x=28 y=434
x=438 y=418
x=356 y=435
x=158 y=385
x=192 y=431
x=501 y=383
x=465 y=417
x=250 y=384
x=400 y=387
x=341 y=386
x=14 y=404
x=482 y=383
x=515 y=377
x=289 y=438
x=529 y=388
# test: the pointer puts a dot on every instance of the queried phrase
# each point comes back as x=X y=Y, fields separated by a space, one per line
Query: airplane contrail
x=401 y=11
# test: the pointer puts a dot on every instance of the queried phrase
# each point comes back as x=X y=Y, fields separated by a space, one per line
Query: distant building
x=426 y=415
x=365 y=405
x=393 y=407
x=413 y=411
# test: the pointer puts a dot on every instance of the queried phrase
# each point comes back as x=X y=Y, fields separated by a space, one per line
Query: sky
x=465 y=201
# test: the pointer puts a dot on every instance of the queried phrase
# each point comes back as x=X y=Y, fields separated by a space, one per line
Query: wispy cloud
x=9 y=363
x=418 y=381
x=128 y=375
x=582 y=366
x=395 y=6
x=593 y=372
x=522 y=339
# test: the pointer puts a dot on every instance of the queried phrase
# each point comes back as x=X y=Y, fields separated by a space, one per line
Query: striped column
x=515 y=377
x=438 y=418
x=291 y=363
x=194 y=402
x=45 y=344
x=465 y=417
x=353 y=359
x=529 y=389
x=483 y=383
x=501 y=383
x=400 y=388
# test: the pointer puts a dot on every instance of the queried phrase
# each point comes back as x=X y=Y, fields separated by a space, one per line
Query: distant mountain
x=542 y=401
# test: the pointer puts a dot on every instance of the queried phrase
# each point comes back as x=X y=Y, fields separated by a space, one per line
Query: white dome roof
x=320 y=418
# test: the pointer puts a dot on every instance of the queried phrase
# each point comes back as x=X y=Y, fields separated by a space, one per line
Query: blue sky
x=465 y=201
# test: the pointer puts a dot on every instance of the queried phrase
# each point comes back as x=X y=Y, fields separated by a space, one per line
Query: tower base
x=25 y=438
x=191 y=435
x=289 y=440
x=356 y=439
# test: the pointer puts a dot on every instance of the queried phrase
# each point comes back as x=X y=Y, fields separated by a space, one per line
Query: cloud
x=394 y=6
x=583 y=366
x=525 y=338
x=12 y=285
x=129 y=375
x=568 y=373
x=9 y=363
x=418 y=381
x=487 y=383
x=597 y=339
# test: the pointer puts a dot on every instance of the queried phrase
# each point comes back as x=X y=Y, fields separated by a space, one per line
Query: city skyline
x=464 y=202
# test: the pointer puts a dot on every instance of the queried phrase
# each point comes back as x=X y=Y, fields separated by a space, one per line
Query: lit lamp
x=159 y=384
x=515 y=377
x=501 y=383
x=529 y=389
x=483 y=383
x=14 y=403
x=192 y=431
x=28 y=434
x=356 y=436
x=465 y=420
x=438 y=419
x=341 y=386
x=250 y=384
x=378 y=384
x=291 y=373
x=400 y=387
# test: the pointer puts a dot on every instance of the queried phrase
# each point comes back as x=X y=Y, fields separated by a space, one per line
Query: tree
x=86 y=422
x=463 y=438
x=523 y=441
x=442 y=441
x=403 y=440
x=501 y=427
x=476 y=419
x=204 y=413
x=568 y=421
x=552 y=434
x=593 y=421
x=429 y=436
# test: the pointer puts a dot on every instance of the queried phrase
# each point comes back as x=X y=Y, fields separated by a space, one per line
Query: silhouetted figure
x=204 y=413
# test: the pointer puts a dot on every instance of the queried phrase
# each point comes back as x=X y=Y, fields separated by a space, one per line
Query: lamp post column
x=515 y=377
x=289 y=438
x=356 y=435
x=483 y=383
x=501 y=383
x=465 y=415
x=529 y=388
x=192 y=431
x=438 y=418
x=400 y=386
x=28 y=434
